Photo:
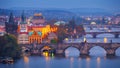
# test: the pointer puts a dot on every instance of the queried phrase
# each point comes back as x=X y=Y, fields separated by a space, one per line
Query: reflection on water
x=98 y=62
x=88 y=62
x=47 y=62
x=62 y=62
x=71 y=62
x=26 y=61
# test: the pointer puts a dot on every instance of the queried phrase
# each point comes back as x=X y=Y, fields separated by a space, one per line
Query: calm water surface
x=54 y=62
x=70 y=61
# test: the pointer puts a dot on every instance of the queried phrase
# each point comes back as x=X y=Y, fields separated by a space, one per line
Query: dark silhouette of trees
x=9 y=46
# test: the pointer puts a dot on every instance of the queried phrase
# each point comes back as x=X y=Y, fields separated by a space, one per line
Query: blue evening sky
x=104 y=4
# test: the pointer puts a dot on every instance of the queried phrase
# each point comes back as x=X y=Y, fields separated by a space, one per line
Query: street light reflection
x=88 y=62
x=98 y=62
x=26 y=59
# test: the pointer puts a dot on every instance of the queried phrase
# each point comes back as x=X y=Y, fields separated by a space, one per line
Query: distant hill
x=90 y=11
x=77 y=11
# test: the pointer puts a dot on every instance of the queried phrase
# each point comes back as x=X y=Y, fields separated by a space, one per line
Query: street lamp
x=85 y=40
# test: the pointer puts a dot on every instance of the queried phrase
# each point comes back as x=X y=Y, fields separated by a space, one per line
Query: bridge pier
x=110 y=55
x=84 y=51
x=60 y=52
x=84 y=54
x=110 y=52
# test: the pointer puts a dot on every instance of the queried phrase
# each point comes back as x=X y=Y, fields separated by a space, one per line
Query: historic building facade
x=2 y=28
x=11 y=25
x=35 y=30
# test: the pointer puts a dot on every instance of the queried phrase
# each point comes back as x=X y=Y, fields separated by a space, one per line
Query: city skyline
x=103 y=4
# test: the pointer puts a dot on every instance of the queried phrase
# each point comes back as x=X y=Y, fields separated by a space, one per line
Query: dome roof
x=38 y=16
x=93 y=23
x=59 y=22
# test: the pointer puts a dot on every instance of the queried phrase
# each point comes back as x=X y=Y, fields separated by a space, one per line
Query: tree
x=9 y=46
x=54 y=41
x=61 y=33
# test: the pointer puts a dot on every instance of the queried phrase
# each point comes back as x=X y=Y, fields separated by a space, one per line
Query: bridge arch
x=117 y=51
x=47 y=49
x=105 y=35
x=71 y=51
x=119 y=36
x=45 y=46
x=89 y=35
x=97 y=51
x=25 y=49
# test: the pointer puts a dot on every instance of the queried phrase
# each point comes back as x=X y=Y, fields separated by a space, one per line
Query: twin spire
x=23 y=18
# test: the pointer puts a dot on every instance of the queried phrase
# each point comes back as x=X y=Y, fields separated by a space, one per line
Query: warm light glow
x=39 y=14
x=98 y=60
x=46 y=54
x=26 y=59
x=36 y=36
x=46 y=47
x=84 y=39
x=47 y=58
x=66 y=39
x=105 y=40
x=87 y=59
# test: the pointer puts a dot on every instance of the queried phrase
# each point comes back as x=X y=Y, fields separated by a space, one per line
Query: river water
x=70 y=62
x=72 y=59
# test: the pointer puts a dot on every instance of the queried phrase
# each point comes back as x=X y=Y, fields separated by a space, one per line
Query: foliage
x=54 y=41
x=61 y=33
x=9 y=46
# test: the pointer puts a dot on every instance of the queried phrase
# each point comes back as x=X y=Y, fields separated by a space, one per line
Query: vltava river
x=72 y=60
x=54 y=62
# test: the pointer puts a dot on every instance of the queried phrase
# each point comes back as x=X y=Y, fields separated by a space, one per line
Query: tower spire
x=11 y=18
x=23 y=18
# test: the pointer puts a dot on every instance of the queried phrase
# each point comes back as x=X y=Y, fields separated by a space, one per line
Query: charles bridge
x=84 y=47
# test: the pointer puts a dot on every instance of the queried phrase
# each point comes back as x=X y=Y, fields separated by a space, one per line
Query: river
x=72 y=60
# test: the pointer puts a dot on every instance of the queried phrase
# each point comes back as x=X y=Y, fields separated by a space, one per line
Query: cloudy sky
x=104 y=4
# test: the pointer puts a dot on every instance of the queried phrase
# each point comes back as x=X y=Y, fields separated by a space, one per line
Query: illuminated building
x=36 y=30
x=2 y=28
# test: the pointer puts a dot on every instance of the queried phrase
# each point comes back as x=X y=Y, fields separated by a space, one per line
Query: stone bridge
x=94 y=34
x=109 y=27
x=84 y=48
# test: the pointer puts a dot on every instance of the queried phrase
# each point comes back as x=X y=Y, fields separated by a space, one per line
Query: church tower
x=23 y=23
x=11 y=26
x=23 y=30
